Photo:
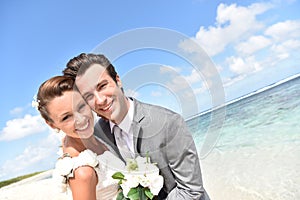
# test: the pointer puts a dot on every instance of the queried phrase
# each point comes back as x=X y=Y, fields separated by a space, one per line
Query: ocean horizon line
x=255 y=92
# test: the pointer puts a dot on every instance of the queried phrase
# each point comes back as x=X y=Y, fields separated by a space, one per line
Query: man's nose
x=99 y=99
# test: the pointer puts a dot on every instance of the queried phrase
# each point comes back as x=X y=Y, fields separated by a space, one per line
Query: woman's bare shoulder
x=69 y=148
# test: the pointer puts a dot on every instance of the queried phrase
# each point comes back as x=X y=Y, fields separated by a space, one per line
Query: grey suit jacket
x=165 y=136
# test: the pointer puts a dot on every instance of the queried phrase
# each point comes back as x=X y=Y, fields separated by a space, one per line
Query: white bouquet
x=140 y=180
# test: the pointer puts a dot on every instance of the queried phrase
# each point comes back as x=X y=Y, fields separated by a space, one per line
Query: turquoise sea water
x=257 y=155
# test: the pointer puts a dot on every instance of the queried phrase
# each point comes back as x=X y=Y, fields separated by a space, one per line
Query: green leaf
x=148 y=193
x=133 y=194
x=120 y=196
x=142 y=194
x=147 y=157
x=118 y=175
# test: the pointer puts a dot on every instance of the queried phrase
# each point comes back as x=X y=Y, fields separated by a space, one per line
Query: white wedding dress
x=105 y=166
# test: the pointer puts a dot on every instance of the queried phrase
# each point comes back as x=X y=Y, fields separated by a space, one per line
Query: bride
x=85 y=156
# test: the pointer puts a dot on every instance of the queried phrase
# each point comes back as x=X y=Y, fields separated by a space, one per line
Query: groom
x=143 y=128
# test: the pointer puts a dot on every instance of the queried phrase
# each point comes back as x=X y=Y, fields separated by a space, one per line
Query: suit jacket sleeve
x=183 y=162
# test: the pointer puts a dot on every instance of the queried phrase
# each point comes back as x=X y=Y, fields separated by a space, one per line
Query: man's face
x=103 y=94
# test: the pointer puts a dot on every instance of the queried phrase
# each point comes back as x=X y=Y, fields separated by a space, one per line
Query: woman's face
x=72 y=115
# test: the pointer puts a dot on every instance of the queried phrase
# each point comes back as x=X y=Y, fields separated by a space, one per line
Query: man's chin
x=103 y=116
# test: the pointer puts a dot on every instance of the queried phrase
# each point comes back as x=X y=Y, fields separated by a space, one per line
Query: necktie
x=121 y=143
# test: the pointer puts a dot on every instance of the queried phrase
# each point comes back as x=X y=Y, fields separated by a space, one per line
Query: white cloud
x=283 y=50
x=253 y=44
x=249 y=43
x=194 y=77
x=231 y=81
x=283 y=39
x=240 y=65
x=233 y=23
x=40 y=156
x=169 y=69
x=179 y=83
x=200 y=90
x=16 y=111
x=282 y=31
x=22 y=127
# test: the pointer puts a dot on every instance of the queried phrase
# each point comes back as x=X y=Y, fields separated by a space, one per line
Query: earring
x=56 y=130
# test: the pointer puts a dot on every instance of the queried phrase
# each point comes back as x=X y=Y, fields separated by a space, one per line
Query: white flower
x=64 y=166
x=131 y=181
x=141 y=160
x=35 y=103
x=156 y=183
x=88 y=157
x=61 y=180
x=131 y=164
x=63 y=170
x=145 y=181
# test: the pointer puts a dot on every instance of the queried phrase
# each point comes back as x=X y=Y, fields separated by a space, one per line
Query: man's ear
x=119 y=82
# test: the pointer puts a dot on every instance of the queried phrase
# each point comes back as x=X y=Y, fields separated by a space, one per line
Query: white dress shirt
x=125 y=125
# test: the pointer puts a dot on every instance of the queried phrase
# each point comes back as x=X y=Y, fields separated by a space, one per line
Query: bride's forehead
x=67 y=98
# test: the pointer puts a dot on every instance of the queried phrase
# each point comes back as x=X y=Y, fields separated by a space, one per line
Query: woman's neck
x=91 y=143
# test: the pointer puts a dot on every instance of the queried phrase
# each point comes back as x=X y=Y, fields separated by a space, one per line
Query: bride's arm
x=83 y=185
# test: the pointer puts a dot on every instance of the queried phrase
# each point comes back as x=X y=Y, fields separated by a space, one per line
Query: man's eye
x=81 y=107
x=102 y=86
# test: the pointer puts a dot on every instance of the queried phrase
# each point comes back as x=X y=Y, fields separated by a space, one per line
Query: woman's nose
x=79 y=118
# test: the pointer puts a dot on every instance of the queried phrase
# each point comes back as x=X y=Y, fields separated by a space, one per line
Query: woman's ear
x=51 y=124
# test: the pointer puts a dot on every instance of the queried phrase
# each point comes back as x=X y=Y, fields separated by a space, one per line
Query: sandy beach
x=37 y=187
x=256 y=175
x=248 y=174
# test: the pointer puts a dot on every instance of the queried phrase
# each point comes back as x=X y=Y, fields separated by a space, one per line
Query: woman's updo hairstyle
x=50 y=89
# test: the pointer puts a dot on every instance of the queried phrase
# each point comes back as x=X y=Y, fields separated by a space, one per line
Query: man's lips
x=107 y=108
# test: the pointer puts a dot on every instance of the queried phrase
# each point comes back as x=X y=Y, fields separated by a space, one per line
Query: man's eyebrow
x=100 y=83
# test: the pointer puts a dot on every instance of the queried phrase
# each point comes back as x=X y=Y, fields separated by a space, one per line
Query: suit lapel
x=102 y=131
x=108 y=136
x=138 y=117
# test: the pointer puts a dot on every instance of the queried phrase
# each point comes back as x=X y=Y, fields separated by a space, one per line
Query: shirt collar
x=127 y=121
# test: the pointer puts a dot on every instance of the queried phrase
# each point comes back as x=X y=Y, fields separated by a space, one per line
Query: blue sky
x=251 y=43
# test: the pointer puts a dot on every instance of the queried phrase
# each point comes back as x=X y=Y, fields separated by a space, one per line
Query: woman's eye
x=88 y=97
x=65 y=118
